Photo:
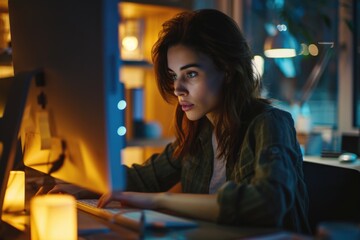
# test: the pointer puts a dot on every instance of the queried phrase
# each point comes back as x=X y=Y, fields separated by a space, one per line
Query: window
x=313 y=25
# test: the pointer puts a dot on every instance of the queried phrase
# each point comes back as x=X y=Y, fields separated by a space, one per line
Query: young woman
x=236 y=159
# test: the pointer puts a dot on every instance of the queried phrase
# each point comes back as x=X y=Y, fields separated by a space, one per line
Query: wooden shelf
x=149 y=142
x=130 y=63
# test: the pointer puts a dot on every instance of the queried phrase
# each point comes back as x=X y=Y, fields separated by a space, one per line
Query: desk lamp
x=53 y=217
x=281 y=45
x=14 y=200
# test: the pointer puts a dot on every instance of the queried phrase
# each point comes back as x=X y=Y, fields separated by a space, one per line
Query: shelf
x=131 y=63
x=149 y=142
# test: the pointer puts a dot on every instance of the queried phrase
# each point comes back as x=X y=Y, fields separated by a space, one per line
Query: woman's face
x=197 y=82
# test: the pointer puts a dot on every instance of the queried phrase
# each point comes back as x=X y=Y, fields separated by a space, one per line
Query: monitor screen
x=72 y=125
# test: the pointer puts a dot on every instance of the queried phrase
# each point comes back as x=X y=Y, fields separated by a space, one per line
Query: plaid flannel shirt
x=265 y=185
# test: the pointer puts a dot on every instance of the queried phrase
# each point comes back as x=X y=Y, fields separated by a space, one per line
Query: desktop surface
x=93 y=227
x=335 y=162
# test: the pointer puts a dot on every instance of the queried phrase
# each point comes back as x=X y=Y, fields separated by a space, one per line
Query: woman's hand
x=200 y=206
x=133 y=199
x=71 y=189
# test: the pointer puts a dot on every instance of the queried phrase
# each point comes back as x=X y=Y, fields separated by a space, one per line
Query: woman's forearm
x=200 y=206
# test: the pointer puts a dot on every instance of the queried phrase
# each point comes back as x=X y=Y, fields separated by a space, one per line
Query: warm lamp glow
x=53 y=217
x=14 y=200
x=280 y=53
x=258 y=65
x=280 y=45
x=130 y=43
x=6 y=71
x=131 y=34
x=2 y=109
x=132 y=155
x=132 y=77
x=313 y=50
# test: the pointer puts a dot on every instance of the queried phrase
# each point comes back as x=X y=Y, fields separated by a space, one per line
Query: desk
x=334 y=190
x=333 y=162
x=206 y=230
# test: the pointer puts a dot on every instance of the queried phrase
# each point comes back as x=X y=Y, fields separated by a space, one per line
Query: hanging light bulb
x=281 y=45
x=130 y=43
x=131 y=39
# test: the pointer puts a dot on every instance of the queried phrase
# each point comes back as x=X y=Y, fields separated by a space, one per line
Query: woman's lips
x=186 y=107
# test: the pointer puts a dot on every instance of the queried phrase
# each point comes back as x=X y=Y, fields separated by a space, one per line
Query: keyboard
x=134 y=218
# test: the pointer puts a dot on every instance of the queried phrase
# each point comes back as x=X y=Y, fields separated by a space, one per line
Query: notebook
x=136 y=219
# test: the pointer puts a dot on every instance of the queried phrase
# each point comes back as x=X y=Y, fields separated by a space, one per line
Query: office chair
x=334 y=194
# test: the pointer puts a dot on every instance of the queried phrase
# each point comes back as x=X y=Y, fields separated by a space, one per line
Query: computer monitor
x=72 y=125
x=13 y=91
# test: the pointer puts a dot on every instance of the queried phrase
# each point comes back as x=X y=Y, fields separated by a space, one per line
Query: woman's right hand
x=67 y=188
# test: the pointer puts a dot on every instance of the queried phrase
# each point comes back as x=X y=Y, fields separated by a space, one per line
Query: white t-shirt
x=219 y=170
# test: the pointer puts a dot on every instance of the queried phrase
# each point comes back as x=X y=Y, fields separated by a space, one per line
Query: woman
x=236 y=158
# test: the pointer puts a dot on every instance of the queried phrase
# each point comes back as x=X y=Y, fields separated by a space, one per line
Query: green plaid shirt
x=265 y=186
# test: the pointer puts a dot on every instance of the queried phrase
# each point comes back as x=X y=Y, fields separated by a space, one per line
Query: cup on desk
x=53 y=217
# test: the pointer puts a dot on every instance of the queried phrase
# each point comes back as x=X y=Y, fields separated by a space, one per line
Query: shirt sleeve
x=159 y=173
x=268 y=196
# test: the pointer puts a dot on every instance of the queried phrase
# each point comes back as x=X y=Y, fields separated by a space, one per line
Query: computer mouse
x=347 y=157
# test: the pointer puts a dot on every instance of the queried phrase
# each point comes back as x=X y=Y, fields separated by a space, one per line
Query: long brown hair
x=213 y=33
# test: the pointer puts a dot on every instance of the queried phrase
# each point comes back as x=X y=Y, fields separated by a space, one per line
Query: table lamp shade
x=53 y=217
x=281 y=45
x=14 y=200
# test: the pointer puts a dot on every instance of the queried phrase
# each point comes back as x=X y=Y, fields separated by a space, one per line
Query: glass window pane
x=306 y=83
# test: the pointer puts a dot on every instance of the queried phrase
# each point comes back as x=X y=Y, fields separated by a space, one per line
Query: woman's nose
x=179 y=88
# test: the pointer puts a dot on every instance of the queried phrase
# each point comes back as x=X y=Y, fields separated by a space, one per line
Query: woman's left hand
x=200 y=206
x=133 y=199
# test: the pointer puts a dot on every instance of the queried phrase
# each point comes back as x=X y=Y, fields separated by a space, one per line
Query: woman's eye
x=191 y=74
